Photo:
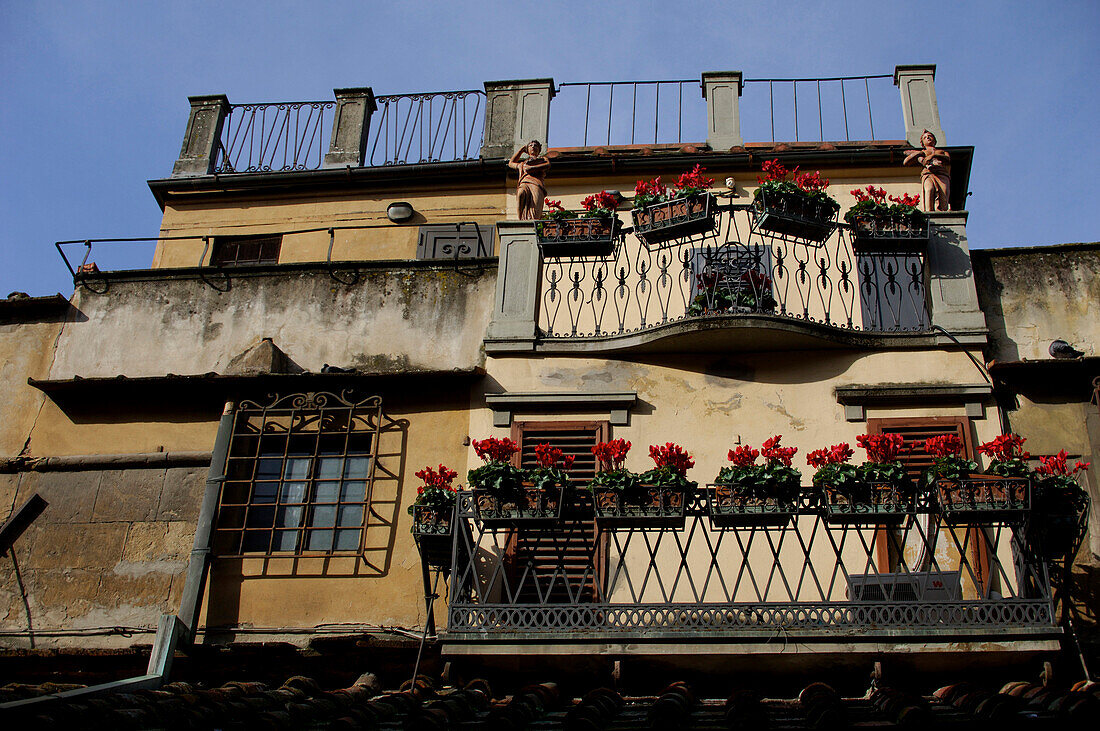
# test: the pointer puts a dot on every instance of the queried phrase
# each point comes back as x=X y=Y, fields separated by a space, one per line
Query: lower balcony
x=924 y=583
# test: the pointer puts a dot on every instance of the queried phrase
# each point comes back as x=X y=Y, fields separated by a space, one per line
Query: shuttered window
x=916 y=460
x=566 y=560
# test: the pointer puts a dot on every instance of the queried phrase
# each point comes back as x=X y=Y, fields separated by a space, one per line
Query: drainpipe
x=172 y=627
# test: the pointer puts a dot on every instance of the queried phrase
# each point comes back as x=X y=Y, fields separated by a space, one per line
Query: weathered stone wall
x=1032 y=296
x=109 y=551
x=390 y=319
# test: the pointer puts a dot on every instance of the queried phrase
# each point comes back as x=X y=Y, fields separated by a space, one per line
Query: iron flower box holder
x=798 y=208
x=966 y=497
x=878 y=492
x=748 y=494
x=595 y=234
x=878 y=226
x=661 y=214
x=1059 y=514
x=979 y=498
x=653 y=500
x=505 y=496
x=433 y=515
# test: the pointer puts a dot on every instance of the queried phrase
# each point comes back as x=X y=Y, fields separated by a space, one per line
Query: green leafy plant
x=1006 y=456
x=600 y=205
x=947 y=460
x=778 y=181
x=497 y=475
x=550 y=471
x=871 y=201
x=436 y=493
x=611 y=474
x=775 y=478
x=834 y=469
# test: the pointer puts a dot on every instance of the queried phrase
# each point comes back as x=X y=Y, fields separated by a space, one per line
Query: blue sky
x=95 y=92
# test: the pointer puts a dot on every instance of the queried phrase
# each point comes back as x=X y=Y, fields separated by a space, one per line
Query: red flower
x=881 y=448
x=694 y=179
x=774 y=454
x=1056 y=465
x=948 y=445
x=440 y=479
x=552 y=205
x=672 y=456
x=773 y=170
x=611 y=455
x=548 y=456
x=1005 y=448
x=743 y=456
x=813 y=182
x=906 y=200
x=836 y=454
x=495 y=450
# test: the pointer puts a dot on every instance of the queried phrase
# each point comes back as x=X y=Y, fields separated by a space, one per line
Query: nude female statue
x=531 y=189
x=936 y=176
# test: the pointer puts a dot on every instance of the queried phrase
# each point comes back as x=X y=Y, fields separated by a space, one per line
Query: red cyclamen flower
x=743 y=456
x=495 y=450
x=774 y=454
x=439 y=479
x=881 y=448
x=948 y=445
x=611 y=455
x=672 y=456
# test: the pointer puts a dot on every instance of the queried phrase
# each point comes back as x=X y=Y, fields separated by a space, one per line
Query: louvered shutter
x=561 y=564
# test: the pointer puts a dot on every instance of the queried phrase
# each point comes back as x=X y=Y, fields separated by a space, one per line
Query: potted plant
x=746 y=493
x=875 y=223
x=878 y=491
x=661 y=213
x=723 y=293
x=797 y=206
x=1060 y=504
x=594 y=232
x=655 y=499
x=433 y=514
x=965 y=495
x=503 y=496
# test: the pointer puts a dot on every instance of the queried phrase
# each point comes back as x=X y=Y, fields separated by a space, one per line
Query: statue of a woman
x=936 y=176
x=531 y=190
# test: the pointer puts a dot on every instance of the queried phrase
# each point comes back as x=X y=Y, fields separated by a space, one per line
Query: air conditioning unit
x=918 y=586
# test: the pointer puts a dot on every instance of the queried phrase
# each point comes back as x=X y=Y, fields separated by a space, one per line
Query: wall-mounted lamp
x=400 y=212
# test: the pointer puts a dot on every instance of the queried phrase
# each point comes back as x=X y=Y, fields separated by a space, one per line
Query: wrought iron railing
x=274 y=137
x=628 y=113
x=807 y=578
x=432 y=127
x=734 y=268
x=841 y=106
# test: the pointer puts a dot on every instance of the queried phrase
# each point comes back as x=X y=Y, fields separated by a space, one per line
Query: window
x=565 y=561
x=299 y=476
x=455 y=241
x=233 y=251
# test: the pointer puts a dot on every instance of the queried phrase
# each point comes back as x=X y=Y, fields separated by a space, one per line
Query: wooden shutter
x=916 y=460
x=565 y=560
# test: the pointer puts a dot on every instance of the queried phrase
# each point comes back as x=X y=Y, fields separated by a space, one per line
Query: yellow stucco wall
x=382 y=241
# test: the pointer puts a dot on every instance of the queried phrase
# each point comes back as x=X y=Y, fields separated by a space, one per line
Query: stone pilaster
x=516 y=112
x=722 y=90
x=918 y=102
x=200 y=141
x=350 y=124
x=513 y=325
x=951 y=290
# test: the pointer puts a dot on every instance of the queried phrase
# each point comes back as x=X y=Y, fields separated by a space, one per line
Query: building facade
x=227 y=438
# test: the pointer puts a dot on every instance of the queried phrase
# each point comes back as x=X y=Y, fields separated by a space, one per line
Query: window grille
x=455 y=241
x=299 y=476
x=231 y=251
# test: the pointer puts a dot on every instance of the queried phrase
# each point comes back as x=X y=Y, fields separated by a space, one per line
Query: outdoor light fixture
x=400 y=212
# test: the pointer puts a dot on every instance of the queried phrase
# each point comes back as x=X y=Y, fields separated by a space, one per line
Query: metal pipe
x=200 y=554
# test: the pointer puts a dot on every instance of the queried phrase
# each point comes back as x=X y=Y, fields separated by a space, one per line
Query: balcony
x=735 y=270
x=925 y=579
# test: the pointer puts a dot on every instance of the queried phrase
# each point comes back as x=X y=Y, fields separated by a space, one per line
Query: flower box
x=794 y=215
x=660 y=222
x=984 y=498
x=530 y=508
x=730 y=506
x=590 y=236
x=433 y=531
x=879 y=503
x=642 y=507
x=888 y=232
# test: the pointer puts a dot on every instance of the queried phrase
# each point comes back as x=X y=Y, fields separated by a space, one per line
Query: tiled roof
x=301 y=703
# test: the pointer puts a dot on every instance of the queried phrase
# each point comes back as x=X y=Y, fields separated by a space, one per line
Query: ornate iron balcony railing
x=736 y=267
x=809 y=578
